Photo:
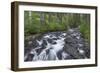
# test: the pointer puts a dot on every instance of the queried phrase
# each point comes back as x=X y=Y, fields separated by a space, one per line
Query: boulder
x=72 y=51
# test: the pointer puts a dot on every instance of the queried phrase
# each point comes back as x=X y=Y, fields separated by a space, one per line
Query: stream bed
x=59 y=45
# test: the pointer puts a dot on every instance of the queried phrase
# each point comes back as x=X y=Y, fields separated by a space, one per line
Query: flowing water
x=52 y=46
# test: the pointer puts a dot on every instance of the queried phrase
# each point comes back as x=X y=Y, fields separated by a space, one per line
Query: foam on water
x=49 y=49
x=53 y=48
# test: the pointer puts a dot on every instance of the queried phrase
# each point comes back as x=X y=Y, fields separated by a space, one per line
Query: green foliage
x=85 y=27
x=41 y=22
x=85 y=30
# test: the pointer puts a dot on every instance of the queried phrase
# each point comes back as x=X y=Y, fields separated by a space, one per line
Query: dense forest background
x=42 y=22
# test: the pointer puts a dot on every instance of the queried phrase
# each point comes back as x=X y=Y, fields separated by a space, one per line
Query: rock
x=30 y=57
x=70 y=57
x=38 y=51
x=51 y=41
x=44 y=44
x=59 y=55
x=35 y=43
x=70 y=40
x=55 y=38
x=87 y=51
x=27 y=50
x=72 y=51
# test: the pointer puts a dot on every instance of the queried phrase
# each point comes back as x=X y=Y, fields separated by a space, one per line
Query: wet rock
x=57 y=46
x=87 y=51
x=72 y=51
x=59 y=55
x=27 y=50
x=34 y=44
x=70 y=40
x=55 y=38
x=39 y=51
x=70 y=57
x=29 y=58
x=44 y=44
x=51 y=41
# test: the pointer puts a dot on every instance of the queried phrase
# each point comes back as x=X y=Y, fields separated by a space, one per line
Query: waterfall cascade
x=58 y=45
